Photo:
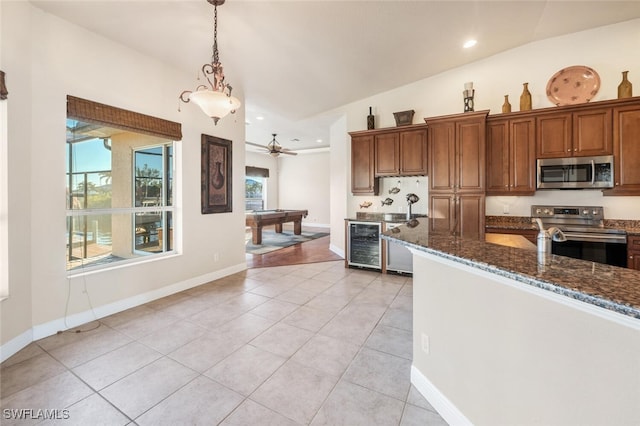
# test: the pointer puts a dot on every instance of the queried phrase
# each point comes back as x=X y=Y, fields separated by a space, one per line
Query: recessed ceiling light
x=295 y=140
x=469 y=43
x=259 y=117
x=319 y=140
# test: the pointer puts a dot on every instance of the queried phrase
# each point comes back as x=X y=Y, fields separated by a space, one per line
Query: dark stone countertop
x=383 y=217
x=609 y=287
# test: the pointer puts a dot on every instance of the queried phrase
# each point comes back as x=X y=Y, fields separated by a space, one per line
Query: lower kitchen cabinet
x=459 y=214
x=529 y=234
x=633 y=252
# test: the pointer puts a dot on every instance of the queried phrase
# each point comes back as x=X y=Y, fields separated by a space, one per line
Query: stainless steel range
x=587 y=238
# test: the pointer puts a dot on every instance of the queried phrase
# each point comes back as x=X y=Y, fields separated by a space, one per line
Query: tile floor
x=302 y=344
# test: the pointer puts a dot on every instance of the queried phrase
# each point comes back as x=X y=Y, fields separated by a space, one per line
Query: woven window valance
x=96 y=113
x=256 y=172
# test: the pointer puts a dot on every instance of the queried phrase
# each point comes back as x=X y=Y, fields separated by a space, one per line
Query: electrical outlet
x=425 y=344
x=505 y=209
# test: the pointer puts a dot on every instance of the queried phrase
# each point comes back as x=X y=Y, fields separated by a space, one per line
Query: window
x=119 y=195
x=120 y=185
x=255 y=188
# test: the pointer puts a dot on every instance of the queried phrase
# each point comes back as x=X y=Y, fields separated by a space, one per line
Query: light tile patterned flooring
x=301 y=344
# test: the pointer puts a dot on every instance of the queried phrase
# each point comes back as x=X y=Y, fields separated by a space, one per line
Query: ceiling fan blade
x=258 y=145
x=288 y=152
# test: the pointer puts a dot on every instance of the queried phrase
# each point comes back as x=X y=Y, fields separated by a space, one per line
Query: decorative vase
x=371 y=121
x=625 y=87
x=525 y=98
x=506 y=106
x=217 y=181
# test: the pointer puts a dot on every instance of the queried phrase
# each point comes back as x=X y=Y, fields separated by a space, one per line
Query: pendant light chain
x=216 y=58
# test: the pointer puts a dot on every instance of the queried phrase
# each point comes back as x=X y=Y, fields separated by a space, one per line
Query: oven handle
x=597 y=238
x=593 y=172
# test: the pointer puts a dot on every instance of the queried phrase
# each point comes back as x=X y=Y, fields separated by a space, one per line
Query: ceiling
x=298 y=60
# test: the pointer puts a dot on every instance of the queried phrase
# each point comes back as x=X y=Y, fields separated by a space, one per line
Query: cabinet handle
x=631 y=257
x=569 y=150
x=575 y=149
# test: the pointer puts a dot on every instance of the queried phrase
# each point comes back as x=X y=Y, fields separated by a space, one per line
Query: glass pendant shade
x=215 y=104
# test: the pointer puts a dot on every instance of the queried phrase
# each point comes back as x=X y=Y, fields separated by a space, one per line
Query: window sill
x=90 y=270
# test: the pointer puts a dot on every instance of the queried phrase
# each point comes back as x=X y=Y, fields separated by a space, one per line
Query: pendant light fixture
x=215 y=99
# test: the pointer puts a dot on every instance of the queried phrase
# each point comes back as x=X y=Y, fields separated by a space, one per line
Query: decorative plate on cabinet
x=573 y=85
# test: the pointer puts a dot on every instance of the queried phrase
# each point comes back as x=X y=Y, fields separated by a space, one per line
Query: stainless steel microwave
x=575 y=172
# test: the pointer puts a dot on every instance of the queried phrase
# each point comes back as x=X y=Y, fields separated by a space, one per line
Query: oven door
x=610 y=249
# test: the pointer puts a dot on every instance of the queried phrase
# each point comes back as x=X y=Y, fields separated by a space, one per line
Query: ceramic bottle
x=625 y=87
x=525 y=98
x=506 y=106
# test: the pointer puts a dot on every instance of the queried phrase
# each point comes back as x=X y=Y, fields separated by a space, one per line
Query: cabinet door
x=522 y=157
x=441 y=146
x=498 y=157
x=362 y=158
x=387 y=154
x=470 y=155
x=413 y=152
x=441 y=214
x=469 y=220
x=592 y=133
x=633 y=252
x=626 y=150
x=553 y=138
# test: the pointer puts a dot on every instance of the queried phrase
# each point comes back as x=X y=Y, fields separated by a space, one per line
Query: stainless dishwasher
x=399 y=258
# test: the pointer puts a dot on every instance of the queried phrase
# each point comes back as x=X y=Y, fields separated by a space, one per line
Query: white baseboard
x=337 y=250
x=14 y=345
x=52 y=327
x=437 y=399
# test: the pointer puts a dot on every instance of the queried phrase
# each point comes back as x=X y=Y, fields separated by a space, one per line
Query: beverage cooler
x=364 y=248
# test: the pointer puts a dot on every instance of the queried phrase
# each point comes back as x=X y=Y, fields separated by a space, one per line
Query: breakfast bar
x=503 y=335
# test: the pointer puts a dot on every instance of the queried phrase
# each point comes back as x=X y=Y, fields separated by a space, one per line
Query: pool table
x=257 y=219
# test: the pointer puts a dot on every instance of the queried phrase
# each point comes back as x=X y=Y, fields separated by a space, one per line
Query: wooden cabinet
x=401 y=152
x=529 y=234
x=457 y=153
x=574 y=133
x=413 y=152
x=387 y=148
x=457 y=174
x=633 y=252
x=626 y=150
x=511 y=161
x=362 y=164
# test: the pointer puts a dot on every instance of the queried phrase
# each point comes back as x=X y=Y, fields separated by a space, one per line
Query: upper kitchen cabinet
x=457 y=152
x=387 y=148
x=626 y=150
x=511 y=161
x=574 y=132
x=363 y=180
x=413 y=152
x=401 y=152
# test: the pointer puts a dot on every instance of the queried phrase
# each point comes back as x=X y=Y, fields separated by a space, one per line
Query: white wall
x=304 y=185
x=46 y=59
x=606 y=49
x=340 y=183
x=503 y=354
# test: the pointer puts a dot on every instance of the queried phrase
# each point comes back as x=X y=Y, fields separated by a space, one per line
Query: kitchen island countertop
x=609 y=287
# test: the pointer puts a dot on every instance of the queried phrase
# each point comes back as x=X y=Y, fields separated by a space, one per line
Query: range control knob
x=538 y=211
x=595 y=212
x=586 y=212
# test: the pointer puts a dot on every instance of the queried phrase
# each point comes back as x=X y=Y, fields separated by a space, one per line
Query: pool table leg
x=297 y=227
x=256 y=235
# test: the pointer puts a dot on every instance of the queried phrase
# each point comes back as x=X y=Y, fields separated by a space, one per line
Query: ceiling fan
x=274 y=148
